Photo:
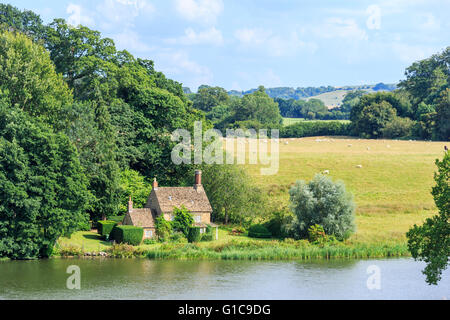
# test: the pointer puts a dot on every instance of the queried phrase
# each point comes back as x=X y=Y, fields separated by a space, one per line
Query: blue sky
x=240 y=44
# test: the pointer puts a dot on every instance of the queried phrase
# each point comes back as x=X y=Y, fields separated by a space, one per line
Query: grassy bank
x=232 y=248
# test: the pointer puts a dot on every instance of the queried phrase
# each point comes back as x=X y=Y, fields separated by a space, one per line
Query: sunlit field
x=391 y=180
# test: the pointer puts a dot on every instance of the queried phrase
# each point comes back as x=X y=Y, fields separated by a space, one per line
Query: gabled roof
x=142 y=218
x=194 y=199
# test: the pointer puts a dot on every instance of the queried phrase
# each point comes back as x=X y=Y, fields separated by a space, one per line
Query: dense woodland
x=83 y=126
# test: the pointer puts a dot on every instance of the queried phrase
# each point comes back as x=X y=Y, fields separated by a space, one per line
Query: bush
x=322 y=202
x=398 y=128
x=163 y=228
x=177 y=237
x=316 y=234
x=117 y=219
x=150 y=241
x=277 y=222
x=84 y=226
x=104 y=228
x=182 y=220
x=194 y=234
x=128 y=234
x=207 y=237
x=259 y=231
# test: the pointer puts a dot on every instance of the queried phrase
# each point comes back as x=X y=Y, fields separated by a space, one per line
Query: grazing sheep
x=368 y=148
x=349 y=145
x=388 y=146
x=326 y=172
x=287 y=142
x=359 y=166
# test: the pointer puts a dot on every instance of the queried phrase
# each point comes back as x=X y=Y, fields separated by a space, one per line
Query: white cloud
x=341 y=28
x=191 y=37
x=77 y=16
x=203 y=11
x=272 y=44
x=123 y=12
x=410 y=53
x=429 y=22
x=129 y=40
x=179 y=64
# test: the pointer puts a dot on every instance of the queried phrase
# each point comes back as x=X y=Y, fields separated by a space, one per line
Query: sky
x=241 y=44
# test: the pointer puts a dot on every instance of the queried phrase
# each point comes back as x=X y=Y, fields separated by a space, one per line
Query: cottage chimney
x=155 y=184
x=130 y=205
x=198 y=179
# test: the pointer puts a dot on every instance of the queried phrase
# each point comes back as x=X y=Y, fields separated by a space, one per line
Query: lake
x=148 y=279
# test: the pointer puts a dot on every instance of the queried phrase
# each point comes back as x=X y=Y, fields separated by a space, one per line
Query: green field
x=391 y=190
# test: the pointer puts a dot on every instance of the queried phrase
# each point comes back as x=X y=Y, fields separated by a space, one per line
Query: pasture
x=391 y=180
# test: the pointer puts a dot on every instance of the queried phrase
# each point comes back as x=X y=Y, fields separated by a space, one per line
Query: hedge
x=259 y=231
x=194 y=234
x=128 y=234
x=104 y=228
x=316 y=128
x=117 y=219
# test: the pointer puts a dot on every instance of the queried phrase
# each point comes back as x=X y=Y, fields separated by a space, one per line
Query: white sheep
x=326 y=172
x=359 y=166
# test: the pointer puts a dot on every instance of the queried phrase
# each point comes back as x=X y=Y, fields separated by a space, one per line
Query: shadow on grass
x=92 y=236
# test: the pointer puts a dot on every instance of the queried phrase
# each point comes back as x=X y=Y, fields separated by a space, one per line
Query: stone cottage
x=162 y=201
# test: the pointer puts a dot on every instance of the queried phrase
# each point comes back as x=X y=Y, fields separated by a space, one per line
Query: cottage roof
x=142 y=218
x=194 y=199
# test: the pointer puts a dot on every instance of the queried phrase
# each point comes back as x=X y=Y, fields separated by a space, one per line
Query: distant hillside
x=306 y=92
x=330 y=96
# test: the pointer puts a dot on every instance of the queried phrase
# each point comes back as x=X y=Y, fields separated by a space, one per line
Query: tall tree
x=28 y=79
x=43 y=193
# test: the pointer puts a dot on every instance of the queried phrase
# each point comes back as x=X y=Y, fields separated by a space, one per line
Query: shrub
x=163 y=228
x=194 y=234
x=183 y=220
x=398 y=128
x=104 y=228
x=84 y=226
x=316 y=234
x=121 y=251
x=207 y=237
x=276 y=224
x=259 y=231
x=128 y=234
x=177 y=237
x=117 y=219
x=323 y=202
x=150 y=241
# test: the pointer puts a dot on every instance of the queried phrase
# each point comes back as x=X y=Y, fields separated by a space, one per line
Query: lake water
x=148 y=279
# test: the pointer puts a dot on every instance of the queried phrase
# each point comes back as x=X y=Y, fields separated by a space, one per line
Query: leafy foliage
x=232 y=194
x=194 y=235
x=182 y=220
x=431 y=241
x=259 y=231
x=28 y=79
x=43 y=191
x=323 y=202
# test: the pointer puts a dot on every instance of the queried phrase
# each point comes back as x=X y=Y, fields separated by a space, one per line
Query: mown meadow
x=391 y=180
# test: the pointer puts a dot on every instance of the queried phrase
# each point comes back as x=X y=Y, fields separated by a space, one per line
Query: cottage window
x=198 y=219
x=148 y=233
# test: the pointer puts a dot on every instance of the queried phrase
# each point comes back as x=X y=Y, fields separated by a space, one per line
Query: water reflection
x=148 y=279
